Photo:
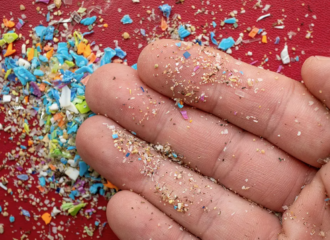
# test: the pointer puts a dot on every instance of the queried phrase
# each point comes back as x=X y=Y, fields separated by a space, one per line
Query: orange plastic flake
x=30 y=142
x=110 y=185
x=92 y=58
x=30 y=54
x=87 y=51
x=8 y=24
x=163 y=24
x=81 y=48
x=61 y=124
x=49 y=54
x=52 y=167
x=41 y=189
x=26 y=99
x=105 y=25
x=42 y=87
x=57 y=116
x=264 y=39
x=47 y=48
x=46 y=217
x=10 y=50
x=254 y=32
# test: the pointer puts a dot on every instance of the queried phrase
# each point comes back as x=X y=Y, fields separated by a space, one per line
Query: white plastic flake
x=72 y=173
x=285 y=55
x=65 y=97
x=6 y=98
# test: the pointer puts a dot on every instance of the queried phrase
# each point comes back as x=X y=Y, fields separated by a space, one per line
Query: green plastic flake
x=74 y=210
x=66 y=154
x=83 y=107
x=7 y=73
x=65 y=206
x=89 y=231
x=26 y=128
x=2 y=42
x=10 y=37
x=235 y=25
x=69 y=63
x=56 y=153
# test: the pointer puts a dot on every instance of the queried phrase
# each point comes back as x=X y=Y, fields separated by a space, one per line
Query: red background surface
x=292 y=11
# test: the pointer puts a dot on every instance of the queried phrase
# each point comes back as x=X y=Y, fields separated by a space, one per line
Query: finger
x=205 y=209
x=309 y=215
x=133 y=217
x=242 y=162
x=316 y=75
x=264 y=103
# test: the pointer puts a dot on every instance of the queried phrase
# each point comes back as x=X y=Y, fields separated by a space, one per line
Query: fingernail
x=322 y=58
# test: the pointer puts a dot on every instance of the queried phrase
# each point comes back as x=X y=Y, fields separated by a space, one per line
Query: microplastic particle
x=126 y=19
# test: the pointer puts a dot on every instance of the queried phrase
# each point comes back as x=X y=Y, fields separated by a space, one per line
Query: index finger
x=264 y=103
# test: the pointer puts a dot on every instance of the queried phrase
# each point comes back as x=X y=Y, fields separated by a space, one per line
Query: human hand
x=274 y=128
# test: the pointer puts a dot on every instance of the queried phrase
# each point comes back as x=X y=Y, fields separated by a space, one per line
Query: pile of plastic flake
x=42 y=89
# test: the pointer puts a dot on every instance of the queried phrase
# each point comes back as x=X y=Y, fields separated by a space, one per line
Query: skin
x=258 y=167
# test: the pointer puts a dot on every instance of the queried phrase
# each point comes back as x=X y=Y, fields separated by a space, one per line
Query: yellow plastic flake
x=264 y=39
x=26 y=128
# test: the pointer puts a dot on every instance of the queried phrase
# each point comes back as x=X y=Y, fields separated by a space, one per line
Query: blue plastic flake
x=142 y=89
x=42 y=58
x=214 y=24
x=84 y=69
x=175 y=207
x=139 y=159
x=35 y=63
x=26 y=213
x=231 y=20
x=48 y=33
x=183 y=32
x=88 y=21
x=226 y=43
x=23 y=177
x=114 y=136
x=126 y=19
x=127 y=154
x=87 y=33
x=166 y=9
x=22 y=146
x=97 y=223
x=187 y=55
x=120 y=53
x=24 y=75
x=80 y=60
x=62 y=53
x=94 y=188
x=241 y=72
x=48 y=17
x=174 y=155
x=297 y=59
x=180 y=105
x=42 y=181
x=134 y=133
x=67 y=76
x=83 y=168
x=39 y=30
x=134 y=66
x=143 y=32
x=178 y=44
x=38 y=73
x=11 y=219
x=64 y=161
x=213 y=39
x=260 y=30
x=0 y=209
x=73 y=194
x=277 y=40
x=109 y=53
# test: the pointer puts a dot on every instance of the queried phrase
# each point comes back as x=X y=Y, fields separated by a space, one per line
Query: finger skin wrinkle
x=275 y=117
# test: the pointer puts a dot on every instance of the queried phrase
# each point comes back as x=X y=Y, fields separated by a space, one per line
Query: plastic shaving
x=166 y=9
x=214 y=41
x=285 y=55
x=88 y=21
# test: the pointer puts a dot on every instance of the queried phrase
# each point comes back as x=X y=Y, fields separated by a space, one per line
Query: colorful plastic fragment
x=254 y=32
x=187 y=55
x=11 y=219
x=226 y=43
x=88 y=21
x=46 y=217
x=24 y=75
x=120 y=53
x=230 y=20
x=214 y=41
x=183 y=33
x=126 y=19
x=10 y=37
x=166 y=9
